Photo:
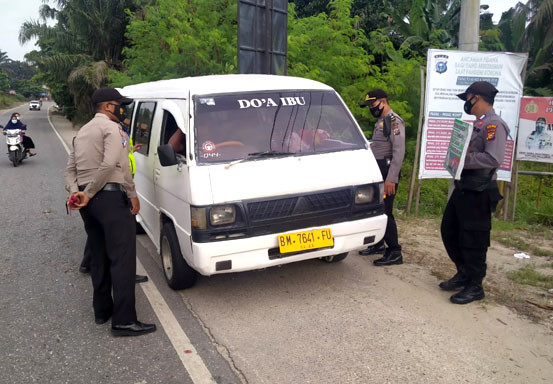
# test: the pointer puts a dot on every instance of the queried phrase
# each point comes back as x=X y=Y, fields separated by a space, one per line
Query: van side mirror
x=167 y=155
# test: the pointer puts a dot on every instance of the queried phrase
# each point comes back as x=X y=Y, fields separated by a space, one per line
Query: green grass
x=7 y=101
x=529 y=276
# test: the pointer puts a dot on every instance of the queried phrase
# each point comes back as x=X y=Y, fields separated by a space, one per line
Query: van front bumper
x=253 y=253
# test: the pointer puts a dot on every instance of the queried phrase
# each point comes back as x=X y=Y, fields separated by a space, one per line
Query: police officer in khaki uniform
x=388 y=146
x=99 y=178
x=466 y=222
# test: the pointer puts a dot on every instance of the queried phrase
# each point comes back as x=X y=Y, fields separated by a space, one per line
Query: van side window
x=171 y=134
x=128 y=112
x=143 y=125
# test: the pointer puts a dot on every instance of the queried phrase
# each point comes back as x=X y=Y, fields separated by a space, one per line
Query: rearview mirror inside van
x=167 y=155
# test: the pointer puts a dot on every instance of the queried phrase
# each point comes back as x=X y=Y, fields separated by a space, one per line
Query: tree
x=177 y=39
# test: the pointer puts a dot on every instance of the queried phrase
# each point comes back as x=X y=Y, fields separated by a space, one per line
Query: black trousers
x=111 y=232
x=466 y=226
x=390 y=236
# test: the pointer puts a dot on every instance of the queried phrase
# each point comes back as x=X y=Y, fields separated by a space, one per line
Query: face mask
x=468 y=105
x=376 y=111
x=14 y=121
x=118 y=112
x=18 y=118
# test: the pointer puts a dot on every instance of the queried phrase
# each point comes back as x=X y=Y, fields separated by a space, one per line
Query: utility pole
x=469 y=28
x=469 y=36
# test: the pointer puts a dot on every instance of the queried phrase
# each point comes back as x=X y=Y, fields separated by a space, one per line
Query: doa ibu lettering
x=269 y=102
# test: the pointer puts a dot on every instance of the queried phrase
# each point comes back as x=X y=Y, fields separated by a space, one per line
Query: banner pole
x=417 y=146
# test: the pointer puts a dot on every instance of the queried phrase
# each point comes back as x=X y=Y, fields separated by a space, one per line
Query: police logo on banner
x=441 y=64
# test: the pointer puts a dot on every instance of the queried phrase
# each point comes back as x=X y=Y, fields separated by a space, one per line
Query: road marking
x=56 y=131
x=185 y=349
x=192 y=361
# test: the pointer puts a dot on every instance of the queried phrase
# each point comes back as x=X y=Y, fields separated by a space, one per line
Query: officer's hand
x=137 y=147
x=389 y=188
x=83 y=200
x=135 y=205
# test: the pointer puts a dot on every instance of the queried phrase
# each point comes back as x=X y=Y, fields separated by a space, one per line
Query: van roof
x=213 y=84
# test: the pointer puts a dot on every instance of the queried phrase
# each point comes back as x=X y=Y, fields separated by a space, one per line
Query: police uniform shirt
x=538 y=140
x=99 y=156
x=487 y=143
x=392 y=146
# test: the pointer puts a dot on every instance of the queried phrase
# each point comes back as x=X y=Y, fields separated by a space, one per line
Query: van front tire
x=335 y=258
x=177 y=272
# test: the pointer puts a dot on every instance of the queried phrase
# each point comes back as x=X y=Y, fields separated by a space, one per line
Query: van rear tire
x=335 y=258
x=178 y=273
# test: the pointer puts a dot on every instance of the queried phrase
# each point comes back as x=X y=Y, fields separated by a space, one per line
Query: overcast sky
x=13 y=13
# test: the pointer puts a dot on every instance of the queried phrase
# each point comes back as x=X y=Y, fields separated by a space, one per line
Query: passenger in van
x=178 y=142
x=308 y=140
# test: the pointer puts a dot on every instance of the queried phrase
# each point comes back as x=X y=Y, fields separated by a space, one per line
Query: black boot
x=389 y=258
x=456 y=282
x=473 y=291
x=373 y=249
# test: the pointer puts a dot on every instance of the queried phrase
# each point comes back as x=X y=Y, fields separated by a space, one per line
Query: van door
x=172 y=184
x=146 y=127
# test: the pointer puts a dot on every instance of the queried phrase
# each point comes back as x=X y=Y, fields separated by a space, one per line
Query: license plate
x=304 y=241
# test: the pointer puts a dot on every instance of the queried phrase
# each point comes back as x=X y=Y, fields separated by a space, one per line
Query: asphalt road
x=307 y=322
x=47 y=329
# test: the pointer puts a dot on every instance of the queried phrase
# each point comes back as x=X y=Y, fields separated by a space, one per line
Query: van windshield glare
x=234 y=126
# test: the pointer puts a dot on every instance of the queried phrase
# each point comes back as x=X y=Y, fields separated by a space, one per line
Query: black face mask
x=119 y=113
x=376 y=111
x=468 y=105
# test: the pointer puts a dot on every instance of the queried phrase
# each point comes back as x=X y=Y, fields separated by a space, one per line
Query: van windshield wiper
x=259 y=155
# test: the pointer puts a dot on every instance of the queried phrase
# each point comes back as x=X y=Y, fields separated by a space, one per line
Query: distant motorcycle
x=16 y=150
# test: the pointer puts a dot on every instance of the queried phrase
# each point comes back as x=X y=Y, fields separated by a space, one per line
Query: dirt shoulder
x=520 y=284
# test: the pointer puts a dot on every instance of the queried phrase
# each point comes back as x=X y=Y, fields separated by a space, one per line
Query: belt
x=109 y=187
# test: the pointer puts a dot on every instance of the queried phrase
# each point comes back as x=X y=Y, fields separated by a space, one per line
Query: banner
x=535 y=135
x=450 y=73
x=457 y=149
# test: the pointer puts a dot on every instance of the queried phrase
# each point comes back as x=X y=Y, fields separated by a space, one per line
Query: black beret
x=482 y=88
x=372 y=96
x=109 y=94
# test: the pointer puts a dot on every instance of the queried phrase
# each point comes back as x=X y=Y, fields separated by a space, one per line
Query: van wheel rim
x=166 y=258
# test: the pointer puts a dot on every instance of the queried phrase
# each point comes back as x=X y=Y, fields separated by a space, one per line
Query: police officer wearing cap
x=466 y=222
x=388 y=146
x=99 y=178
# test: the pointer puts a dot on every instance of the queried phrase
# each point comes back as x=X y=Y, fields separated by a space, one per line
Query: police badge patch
x=396 y=129
x=490 y=130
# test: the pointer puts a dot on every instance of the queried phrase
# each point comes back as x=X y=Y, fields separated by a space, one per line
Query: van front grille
x=299 y=205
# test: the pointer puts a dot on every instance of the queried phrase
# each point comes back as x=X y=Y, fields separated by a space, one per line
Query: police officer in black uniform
x=466 y=222
x=98 y=177
x=388 y=146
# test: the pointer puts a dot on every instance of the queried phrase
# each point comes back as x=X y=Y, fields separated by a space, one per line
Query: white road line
x=185 y=349
x=192 y=361
x=55 y=130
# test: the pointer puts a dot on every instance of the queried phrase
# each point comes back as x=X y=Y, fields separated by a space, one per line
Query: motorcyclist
x=15 y=123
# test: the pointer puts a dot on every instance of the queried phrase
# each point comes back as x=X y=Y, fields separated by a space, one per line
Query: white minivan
x=241 y=172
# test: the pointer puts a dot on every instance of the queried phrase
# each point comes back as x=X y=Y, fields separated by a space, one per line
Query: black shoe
x=84 y=269
x=101 y=320
x=133 y=329
x=140 y=279
x=389 y=258
x=470 y=293
x=373 y=250
x=456 y=282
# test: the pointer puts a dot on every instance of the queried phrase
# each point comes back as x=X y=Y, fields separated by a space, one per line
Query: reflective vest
x=132 y=163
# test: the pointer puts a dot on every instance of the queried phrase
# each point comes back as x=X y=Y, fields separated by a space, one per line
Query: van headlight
x=222 y=214
x=364 y=194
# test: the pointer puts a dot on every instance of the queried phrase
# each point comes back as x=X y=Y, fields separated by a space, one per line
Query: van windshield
x=277 y=123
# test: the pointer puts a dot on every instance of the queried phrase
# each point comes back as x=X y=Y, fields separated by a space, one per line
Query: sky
x=13 y=13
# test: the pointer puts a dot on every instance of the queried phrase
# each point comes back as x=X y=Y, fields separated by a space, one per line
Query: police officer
x=539 y=139
x=87 y=256
x=388 y=146
x=99 y=178
x=466 y=222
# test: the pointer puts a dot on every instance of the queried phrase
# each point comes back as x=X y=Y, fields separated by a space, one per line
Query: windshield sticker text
x=268 y=102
